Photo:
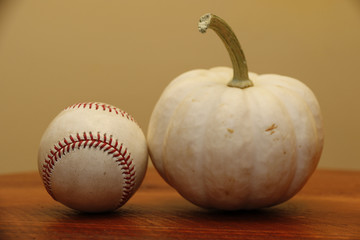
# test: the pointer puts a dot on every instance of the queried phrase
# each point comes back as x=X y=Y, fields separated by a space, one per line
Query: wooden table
x=327 y=208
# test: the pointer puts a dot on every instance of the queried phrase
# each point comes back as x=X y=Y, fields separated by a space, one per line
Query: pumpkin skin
x=229 y=148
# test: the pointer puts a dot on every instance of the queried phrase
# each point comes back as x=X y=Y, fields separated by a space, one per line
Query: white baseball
x=92 y=157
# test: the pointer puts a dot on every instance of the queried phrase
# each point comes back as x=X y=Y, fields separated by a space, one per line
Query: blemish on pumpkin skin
x=230 y=130
x=271 y=129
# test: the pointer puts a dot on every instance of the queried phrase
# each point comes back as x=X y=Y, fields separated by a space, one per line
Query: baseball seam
x=98 y=141
x=102 y=106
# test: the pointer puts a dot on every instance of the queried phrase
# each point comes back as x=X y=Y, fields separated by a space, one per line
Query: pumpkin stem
x=223 y=30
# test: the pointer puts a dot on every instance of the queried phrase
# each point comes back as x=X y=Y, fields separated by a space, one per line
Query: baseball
x=92 y=157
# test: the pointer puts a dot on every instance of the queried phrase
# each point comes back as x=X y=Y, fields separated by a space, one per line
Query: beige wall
x=56 y=53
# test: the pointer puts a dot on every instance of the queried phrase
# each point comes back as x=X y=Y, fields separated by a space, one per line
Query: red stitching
x=104 y=107
x=119 y=154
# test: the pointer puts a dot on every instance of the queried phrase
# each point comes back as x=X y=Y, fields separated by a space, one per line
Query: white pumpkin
x=246 y=144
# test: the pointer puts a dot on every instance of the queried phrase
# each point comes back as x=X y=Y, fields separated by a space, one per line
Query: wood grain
x=327 y=208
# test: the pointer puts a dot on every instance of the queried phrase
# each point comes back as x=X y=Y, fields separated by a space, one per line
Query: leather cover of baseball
x=92 y=157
